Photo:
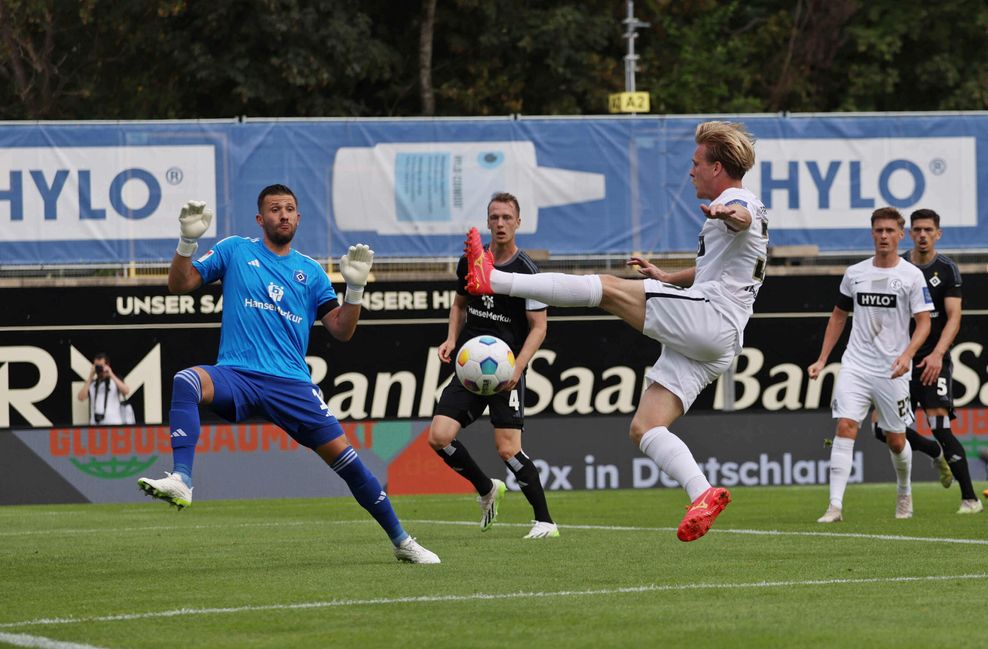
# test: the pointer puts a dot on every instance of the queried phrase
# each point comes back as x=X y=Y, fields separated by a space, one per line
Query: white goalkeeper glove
x=195 y=220
x=355 y=266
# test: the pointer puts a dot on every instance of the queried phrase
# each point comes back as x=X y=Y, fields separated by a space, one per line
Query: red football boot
x=480 y=263
x=702 y=512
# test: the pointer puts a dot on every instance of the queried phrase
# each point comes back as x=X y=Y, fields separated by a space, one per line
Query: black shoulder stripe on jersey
x=326 y=307
x=528 y=263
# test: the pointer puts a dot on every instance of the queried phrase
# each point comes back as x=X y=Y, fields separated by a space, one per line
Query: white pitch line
x=429 y=599
x=720 y=530
x=21 y=640
x=159 y=528
x=605 y=528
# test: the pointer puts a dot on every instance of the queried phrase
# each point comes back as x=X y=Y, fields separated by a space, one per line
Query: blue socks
x=367 y=491
x=183 y=421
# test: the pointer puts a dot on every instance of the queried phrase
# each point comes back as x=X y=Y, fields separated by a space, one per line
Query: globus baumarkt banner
x=92 y=464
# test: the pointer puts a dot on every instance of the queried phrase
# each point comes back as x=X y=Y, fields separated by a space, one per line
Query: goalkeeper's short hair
x=275 y=190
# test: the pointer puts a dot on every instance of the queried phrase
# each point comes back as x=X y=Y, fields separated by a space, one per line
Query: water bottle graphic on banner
x=442 y=188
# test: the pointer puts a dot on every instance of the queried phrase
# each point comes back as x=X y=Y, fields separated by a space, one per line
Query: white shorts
x=685 y=377
x=698 y=343
x=854 y=394
x=685 y=320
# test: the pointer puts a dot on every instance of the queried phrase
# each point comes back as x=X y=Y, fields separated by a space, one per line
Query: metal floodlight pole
x=630 y=61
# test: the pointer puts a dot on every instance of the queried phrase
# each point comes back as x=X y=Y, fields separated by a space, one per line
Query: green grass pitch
x=320 y=573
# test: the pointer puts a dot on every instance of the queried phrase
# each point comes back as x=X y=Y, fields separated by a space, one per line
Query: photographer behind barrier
x=107 y=395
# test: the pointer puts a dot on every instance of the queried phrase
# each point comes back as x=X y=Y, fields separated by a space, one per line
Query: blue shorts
x=294 y=406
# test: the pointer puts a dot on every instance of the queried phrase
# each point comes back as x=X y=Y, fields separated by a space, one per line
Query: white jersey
x=730 y=266
x=883 y=301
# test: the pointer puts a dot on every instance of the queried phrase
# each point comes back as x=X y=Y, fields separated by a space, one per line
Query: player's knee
x=187 y=386
x=506 y=451
x=896 y=443
x=847 y=428
x=440 y=437
x=636 y=432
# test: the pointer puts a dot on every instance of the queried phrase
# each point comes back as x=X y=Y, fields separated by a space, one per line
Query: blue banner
x=110 y=193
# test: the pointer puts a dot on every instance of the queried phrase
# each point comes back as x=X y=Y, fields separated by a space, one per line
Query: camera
x=100 y=368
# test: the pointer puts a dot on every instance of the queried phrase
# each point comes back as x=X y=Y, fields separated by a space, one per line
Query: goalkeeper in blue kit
x=271 y=294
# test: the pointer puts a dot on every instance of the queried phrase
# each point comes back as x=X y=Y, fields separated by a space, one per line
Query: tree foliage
x=105 y=59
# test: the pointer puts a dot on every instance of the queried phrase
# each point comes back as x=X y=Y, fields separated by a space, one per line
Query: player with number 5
x=272 y=295
x=698 y=314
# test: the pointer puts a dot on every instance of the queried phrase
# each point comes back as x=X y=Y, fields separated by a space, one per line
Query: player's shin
x=367 y=491
x=674 y=458
x=956 y=456
x=556 y=289
x=841 y=459
x=183 y=422
x=923 y=444
x=528 y=479
x=903 y=463
x=456 y=457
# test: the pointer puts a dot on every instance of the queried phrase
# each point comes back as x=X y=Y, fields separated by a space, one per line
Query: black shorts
x=507 y=408
x=938 y=395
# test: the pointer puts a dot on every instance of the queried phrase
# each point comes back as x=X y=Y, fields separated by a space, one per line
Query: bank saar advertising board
x=583 y=386
x=110 y=193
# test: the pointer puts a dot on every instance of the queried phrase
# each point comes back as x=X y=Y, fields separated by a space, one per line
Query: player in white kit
x=885 y=292
x=698 y=314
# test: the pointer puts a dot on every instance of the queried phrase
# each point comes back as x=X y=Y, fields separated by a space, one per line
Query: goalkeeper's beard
x=278 y=237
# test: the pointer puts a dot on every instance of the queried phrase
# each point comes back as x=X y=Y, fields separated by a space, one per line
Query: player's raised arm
x=194 y=220
x=647 y=269
x=355 y=267
x=735 y=215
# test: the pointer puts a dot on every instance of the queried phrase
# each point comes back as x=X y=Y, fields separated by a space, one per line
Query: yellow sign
x=628 y=102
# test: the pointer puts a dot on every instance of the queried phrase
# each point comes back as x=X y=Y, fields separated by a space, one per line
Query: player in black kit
x=931 y=385
x=520 y=323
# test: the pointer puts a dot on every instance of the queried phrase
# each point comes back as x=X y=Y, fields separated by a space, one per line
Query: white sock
x=673 y=457
x=554 y=289
x=903 y=463
x=841 y=458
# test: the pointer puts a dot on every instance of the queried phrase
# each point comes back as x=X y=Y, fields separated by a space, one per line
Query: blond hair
x=728 y=143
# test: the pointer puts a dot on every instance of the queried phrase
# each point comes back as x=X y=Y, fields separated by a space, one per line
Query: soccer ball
x=484 y=364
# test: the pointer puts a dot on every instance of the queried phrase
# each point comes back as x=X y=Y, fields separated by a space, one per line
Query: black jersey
x=498 y=315
x=943 y=279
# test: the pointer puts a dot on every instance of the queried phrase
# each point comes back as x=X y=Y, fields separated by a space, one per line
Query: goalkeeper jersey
x=269 y=305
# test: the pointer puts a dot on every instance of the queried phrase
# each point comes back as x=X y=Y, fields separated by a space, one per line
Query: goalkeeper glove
x=355 y=266
x=194 y=220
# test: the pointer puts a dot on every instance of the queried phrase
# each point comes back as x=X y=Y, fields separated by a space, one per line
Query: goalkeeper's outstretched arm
x=183 y=276
x=194 y=220
x=355 y=267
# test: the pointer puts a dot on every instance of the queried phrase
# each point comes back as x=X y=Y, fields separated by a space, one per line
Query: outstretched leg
x=367 y=491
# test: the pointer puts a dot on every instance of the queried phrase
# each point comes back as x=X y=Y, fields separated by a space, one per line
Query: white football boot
x=904 y=506
x=970 y=507
x=833 y=514
x=490 y=503
x=543 y=530
x=410 y=551
x=172 y=489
